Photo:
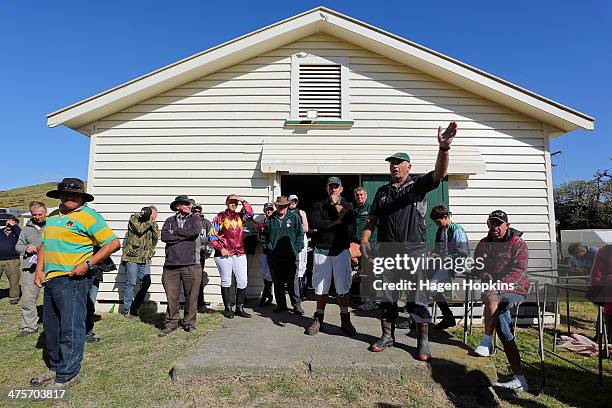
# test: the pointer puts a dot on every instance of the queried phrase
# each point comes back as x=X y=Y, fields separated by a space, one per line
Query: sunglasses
x=197 y=211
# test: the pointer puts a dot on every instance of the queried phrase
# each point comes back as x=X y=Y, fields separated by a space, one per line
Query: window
x=319 y=90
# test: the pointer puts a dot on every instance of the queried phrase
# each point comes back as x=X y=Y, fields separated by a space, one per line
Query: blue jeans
x=64 y=313
x=507 y=302
x=91 y=305
x=134 y=272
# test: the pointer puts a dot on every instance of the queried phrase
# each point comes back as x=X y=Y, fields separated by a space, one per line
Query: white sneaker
x=514 y=384
x=368 y=305
x=483 y=351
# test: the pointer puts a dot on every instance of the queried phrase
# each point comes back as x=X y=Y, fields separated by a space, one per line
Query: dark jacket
x=333 y=233
x=506 y=260
x=30 y=235
x=283 y=238
x=140 y=240
x=181 y=241
x=8 y=242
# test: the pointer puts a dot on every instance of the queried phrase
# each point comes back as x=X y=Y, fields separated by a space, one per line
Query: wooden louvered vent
x=320 y=89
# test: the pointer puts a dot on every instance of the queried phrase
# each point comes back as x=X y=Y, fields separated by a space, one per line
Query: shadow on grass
x=4 y=293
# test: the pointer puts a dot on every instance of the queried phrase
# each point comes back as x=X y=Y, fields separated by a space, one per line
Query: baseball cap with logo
x=498 y=215
x=334 y=180
x=399 y=156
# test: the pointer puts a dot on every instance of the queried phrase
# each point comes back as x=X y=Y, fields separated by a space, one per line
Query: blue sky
x=55 y=53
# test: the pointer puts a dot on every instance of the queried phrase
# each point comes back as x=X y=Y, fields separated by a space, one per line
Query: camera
x=145 y=214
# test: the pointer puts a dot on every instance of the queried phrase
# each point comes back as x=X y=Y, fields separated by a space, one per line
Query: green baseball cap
x=399 y=156
x=334 y=180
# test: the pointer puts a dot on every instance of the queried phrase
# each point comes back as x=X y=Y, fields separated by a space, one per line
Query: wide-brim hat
x=71 y=185
x=282 y=200
x=178 y=200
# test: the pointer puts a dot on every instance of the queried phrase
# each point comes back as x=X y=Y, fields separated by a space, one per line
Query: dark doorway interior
x=311 y=188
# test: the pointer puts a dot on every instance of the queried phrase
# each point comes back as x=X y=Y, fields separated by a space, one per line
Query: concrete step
x=272 y=344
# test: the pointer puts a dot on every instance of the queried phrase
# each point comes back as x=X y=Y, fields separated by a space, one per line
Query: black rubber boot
x=346 y=324
x=227 y=312
x=240 y=297
x=423 y=352
x=388 y=335
x=448 y=319
x=266 y=294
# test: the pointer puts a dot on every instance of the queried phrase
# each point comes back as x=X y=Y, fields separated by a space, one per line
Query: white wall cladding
x=205 y=138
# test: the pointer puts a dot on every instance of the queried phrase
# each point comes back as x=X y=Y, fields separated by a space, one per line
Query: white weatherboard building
x=320 y=93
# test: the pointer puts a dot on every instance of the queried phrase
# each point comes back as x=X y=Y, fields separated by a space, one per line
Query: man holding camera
x=142 y=236
x=9 y=257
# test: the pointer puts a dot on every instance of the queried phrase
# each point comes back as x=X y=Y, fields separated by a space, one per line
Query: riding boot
x=225 y=295
x=240 y=297
x=423 y=351
x=266 y=294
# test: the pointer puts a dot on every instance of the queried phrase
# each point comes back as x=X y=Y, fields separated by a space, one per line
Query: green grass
x=20 y=197
x=130 y=367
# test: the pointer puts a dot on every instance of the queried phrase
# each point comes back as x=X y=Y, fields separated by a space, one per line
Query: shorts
x=328 y=267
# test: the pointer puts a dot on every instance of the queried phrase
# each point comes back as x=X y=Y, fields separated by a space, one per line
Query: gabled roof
x=318 y=20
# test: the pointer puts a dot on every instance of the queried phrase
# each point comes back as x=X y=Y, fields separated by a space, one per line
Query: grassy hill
x=21 y=197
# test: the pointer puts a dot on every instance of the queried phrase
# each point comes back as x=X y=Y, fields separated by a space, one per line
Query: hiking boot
x=297 y=309
x=423 y=351
x=25 y=333
x=316 y=325
x=42 y=378
x=346 y=324
x=446 y=322
x=166 y=331
x=190 y=328
x=387 y=338
x=58 y=386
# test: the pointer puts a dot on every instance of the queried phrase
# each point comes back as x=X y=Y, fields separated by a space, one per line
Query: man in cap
x=282 y=240
x=504 y=256
x=266 y=294
x=180 y=233
x=334 y=220
x=27 y=246
x=303 y=256
x=203 y=252
x=9 y=257
x=399 y=211
x=65 y=262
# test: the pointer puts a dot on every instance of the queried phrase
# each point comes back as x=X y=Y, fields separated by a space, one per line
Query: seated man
x=581 y=258
x=504 y=258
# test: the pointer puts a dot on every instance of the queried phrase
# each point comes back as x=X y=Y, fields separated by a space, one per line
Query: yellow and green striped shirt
x=69 y=239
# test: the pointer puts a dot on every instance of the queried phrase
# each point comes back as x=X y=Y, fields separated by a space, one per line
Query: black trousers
x=283 y=272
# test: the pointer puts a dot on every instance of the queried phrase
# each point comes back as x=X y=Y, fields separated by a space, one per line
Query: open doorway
x=311 y=188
